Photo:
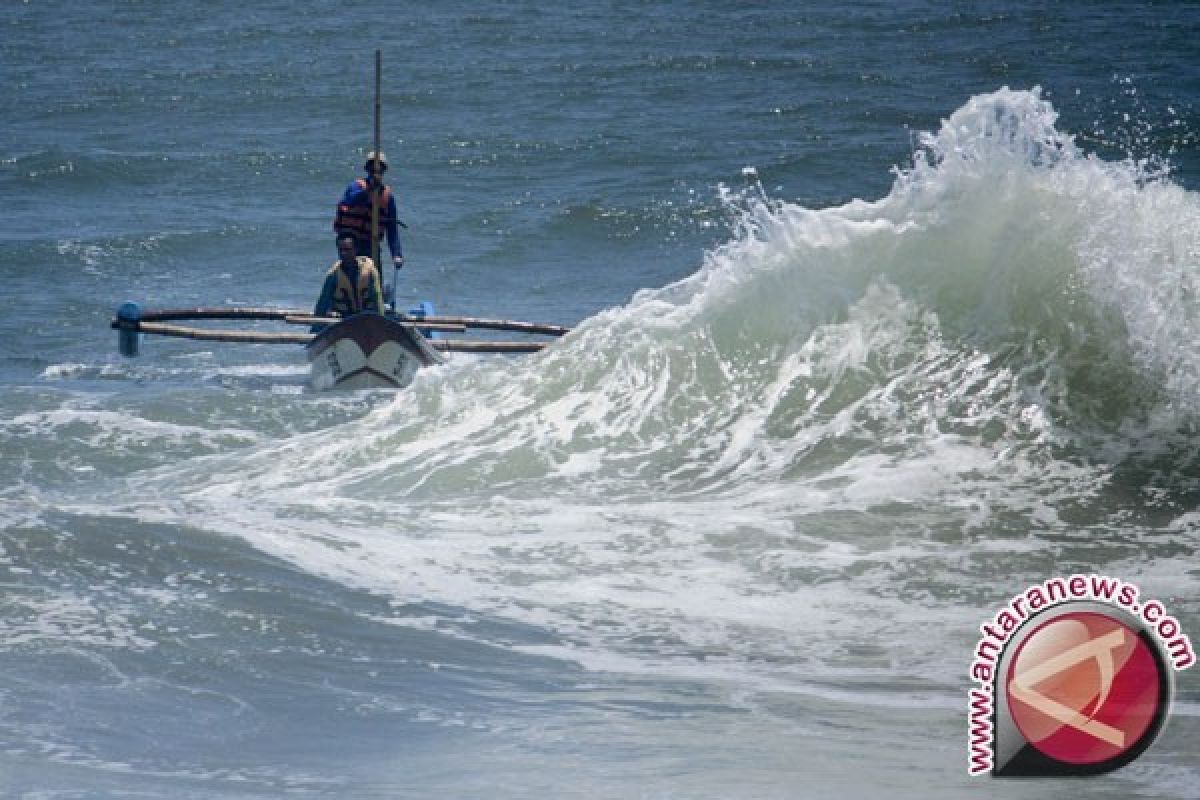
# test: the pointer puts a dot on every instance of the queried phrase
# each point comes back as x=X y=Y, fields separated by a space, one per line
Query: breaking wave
x=758 y=459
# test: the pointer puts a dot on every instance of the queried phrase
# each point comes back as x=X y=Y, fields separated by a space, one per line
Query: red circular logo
x=1084 y=688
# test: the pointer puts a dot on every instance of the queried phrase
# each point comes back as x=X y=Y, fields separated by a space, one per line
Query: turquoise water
x=882 y=314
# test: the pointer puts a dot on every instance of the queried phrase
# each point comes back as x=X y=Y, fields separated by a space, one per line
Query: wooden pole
x=471 y=346
x=493 y=324
x=308 y=319
x=230 y=312
x=376 y=167
x=263 y=337
x=209 y=335
x=303 y=317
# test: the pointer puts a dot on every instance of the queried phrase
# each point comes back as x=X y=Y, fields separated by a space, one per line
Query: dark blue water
x=884 y=312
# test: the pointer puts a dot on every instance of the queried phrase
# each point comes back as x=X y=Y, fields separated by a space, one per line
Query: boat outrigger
x=364 y=351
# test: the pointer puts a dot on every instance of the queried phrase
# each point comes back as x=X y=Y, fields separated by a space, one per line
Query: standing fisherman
x=354 y=211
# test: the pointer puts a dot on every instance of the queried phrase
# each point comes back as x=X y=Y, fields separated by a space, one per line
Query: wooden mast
x=376 y=169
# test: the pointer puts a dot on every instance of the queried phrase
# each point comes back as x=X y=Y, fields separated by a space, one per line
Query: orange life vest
x=357 y=218
x=363 y=295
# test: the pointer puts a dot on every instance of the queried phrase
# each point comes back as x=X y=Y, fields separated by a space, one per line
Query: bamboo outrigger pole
x=490 y=324
x=300 y=316
x=131 y=321
x=265 y=337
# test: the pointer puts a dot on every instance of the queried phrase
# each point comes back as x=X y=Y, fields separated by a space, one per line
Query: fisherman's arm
x=393 y=233
x=325 y=301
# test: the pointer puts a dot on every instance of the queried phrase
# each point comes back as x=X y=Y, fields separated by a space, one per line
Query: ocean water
x=882 y=312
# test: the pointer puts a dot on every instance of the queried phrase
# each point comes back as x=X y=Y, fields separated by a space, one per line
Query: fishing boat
x=364 y=351
x=369 y=351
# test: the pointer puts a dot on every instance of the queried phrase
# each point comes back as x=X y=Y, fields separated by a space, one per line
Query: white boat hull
x=368 y=351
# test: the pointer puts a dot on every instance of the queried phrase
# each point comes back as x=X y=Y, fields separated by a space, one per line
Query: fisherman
x=354 y=211
x=352 y=284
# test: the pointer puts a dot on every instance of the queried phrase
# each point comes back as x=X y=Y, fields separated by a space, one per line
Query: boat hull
x=368 y=351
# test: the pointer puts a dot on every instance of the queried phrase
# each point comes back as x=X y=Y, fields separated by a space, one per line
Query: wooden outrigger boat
x=367 y=350
x=360 y=352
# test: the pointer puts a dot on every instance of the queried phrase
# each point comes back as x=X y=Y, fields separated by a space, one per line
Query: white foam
x=779 y=463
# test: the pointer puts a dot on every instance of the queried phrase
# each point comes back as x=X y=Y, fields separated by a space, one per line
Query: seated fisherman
x=352 y=284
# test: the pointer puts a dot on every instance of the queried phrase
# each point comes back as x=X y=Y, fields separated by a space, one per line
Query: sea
x=881 y=313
